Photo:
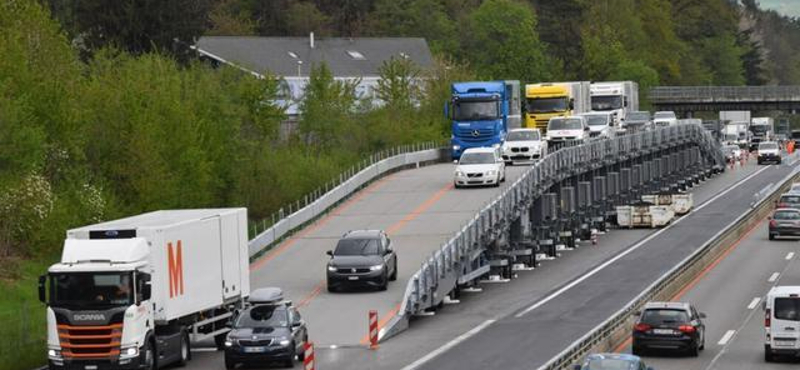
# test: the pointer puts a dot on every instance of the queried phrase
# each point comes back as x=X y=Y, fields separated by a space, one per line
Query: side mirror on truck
x=144 y=288
x=43 y=289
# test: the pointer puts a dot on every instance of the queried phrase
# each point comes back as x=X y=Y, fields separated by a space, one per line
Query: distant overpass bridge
x=685 y=100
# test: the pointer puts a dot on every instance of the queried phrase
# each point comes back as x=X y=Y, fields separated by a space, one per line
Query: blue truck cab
x=481 y=113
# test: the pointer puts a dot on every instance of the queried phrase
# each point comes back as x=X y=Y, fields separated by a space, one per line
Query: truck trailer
x=555 y=99
x=135 y=293
x=482 y=113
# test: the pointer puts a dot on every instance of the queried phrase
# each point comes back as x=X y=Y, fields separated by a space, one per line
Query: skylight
x=293 y=55
x=355 y=55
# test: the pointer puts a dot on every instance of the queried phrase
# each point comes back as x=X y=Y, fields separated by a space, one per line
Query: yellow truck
x=553 y=99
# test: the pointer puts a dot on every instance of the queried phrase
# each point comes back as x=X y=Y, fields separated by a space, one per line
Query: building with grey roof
x=292 y=58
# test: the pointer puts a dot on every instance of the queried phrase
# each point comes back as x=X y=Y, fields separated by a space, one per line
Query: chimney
x=311 y=40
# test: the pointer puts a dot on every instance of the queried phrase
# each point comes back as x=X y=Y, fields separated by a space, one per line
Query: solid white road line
x=774 y=277
x=725 y=338
x=754 y=303
x=448 y=345
x=789 y=256
x=630 y=250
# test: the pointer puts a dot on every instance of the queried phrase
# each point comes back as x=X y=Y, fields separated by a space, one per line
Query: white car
x=732 y=152
x=665 y=118
x=563 y=129
x=781 y=322
x=601 y=124
x=479 y=167
x=768 y=151
x=524 y=144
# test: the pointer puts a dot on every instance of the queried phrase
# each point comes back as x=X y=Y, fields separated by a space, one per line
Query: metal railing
x=272 y=229
x=611 y=332
x=724 y=93
x=439 y=273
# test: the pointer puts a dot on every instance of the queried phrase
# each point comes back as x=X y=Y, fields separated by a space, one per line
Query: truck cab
x=554 y=99
x=481 y=113
x=617 y=97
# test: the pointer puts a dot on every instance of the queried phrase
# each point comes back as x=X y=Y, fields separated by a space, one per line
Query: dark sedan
x=266 y=333
x=362 y=258
x=669 y=325
x=784 y=222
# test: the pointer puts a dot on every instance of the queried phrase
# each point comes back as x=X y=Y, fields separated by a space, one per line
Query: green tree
x=230 y=18
x=501 y=42
x=399 y=85
x=417 y=18
x=562 y=31
x=327 y=110
x=304 y=17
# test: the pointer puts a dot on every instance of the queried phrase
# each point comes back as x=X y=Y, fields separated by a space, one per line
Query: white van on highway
x=782 y=322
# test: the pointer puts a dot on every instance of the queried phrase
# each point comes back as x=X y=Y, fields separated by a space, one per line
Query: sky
x=786 y=7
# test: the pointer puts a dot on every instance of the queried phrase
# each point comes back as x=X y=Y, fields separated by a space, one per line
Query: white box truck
x=135 y=292
x=620 y=97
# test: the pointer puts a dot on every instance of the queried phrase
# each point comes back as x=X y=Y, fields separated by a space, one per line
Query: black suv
x=362 y=258
x=266 y=332
x=669 y=325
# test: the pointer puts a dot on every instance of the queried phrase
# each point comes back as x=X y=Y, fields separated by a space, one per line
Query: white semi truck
x=619 y=97
x=135 y=292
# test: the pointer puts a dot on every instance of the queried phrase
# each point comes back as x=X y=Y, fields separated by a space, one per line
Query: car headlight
x=331 y=268
x=376 y=268
x=456 y=147
x=129 y=352
x=285 y=342
x=491 y=173
x=54 y=354
x=460 y=174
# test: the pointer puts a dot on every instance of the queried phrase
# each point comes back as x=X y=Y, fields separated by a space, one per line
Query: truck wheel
x=186 y=353
x=150 y=356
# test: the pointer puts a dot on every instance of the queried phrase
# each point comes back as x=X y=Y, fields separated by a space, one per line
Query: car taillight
x=688 y=329
x=767 y=320
x=773 y=223
x=783 y=205
x=641 y=327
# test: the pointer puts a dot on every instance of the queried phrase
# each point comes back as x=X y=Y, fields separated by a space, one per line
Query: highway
x=730 y=294
x=411 y=206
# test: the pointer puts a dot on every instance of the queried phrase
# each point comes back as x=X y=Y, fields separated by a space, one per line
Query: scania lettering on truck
x=618 y=97
x=135 y=292
x=554 y=99
x=782 y=322
x=481 y=113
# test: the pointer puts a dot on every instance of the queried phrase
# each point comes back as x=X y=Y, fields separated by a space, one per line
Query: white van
x=782 y=322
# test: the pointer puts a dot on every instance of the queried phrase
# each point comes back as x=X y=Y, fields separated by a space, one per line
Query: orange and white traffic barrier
x=373 y=329
x=308 y=359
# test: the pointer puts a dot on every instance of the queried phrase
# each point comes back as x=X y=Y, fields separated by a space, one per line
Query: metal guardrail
x=611 y=332
x=724 y=93
x=445 y=267
x=318 y=202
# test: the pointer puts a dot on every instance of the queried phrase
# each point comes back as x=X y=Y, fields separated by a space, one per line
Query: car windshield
x=610 y=364
x=564 y=124
x=767 y=146
x=790 y=199
x=546 y=105
x=466 y=110
x=356 y=247
x=476 y=158
x=786 y=215
x=638 y=116
x=787 y=309
x=263 y=317
x=91 y=289
x=664 y=316
x=525 y=135
x=664 y=115
x=601 y=103
x=596 y=120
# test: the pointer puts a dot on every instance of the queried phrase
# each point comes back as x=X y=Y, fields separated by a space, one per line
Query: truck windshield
x=758 y=129
x=787 y=309
x=523 y=135
x=546 y=105
x=90 y=289
x=564 y=124
x=263 y=317
x=602 y=103
x=472 y=110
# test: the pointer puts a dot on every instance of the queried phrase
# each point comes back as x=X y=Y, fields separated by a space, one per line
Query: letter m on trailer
x=175 y=268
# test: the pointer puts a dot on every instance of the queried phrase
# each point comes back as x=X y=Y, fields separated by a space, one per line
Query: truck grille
x=468 y=134
x=90 y=341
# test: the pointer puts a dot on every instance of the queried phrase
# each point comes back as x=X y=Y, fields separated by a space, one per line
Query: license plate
x=255 y=349
x=352 y=278
x=90 y=367
x=663 y=331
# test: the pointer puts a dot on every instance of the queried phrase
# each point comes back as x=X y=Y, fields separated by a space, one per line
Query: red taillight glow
x=773 y=223
x=688 y=329
x=767 y=320
x=641 y=327
x=783 y=205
